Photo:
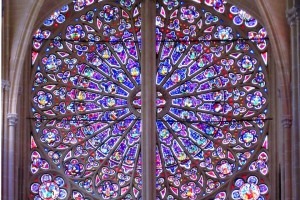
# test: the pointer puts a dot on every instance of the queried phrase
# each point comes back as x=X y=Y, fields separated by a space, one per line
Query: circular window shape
x=211 y=98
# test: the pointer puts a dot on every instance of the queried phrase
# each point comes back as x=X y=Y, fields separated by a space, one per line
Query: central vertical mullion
x=148 y=90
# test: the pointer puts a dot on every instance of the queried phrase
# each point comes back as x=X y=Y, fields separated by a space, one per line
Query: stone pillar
x=287 y=174
x=9 y=163
x=294 y=21
x=148 y=68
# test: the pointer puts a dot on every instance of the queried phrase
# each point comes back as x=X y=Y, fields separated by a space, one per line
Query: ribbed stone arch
x=18 y=47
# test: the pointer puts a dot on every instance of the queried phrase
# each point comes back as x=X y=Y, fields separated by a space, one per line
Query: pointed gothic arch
x=13 y=111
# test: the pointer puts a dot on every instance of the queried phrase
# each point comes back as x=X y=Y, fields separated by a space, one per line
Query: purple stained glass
x=212 y=102
x=86 y=140
x=215 y=81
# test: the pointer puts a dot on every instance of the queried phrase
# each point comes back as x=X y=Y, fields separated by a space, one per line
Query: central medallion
x=162 y=102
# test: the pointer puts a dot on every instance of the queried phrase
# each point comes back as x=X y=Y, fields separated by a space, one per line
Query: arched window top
x=212 y=102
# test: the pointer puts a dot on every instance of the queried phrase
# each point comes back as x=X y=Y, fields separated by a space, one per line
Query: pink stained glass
x=214 y=75
x=86 y=140
x=212 y=102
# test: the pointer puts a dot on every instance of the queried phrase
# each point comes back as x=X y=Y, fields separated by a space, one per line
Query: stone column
x=294 y=21
x=287 y=180
x=148 y=68
x=9 y=163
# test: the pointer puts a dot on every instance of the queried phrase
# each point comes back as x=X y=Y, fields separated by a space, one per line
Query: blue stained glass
x=212 y=102
x=81 y=91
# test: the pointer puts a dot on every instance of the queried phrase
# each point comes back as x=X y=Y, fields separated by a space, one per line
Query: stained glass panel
x=212 y=102
x=212 y=62
x=86 y=139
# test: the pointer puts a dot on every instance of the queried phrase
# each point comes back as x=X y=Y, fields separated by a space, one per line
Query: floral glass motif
x=212 y=102
x=49 y=187
x=213 y=77
x=86 y=71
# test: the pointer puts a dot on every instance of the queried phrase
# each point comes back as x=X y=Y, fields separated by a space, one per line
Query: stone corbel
x=293 y=15
x=286 y=122
x=12 y=119
x=5 y=84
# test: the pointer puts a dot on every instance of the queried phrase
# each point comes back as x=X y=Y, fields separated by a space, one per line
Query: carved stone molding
x=286 y=122
x=12 y=119
x=293 y=15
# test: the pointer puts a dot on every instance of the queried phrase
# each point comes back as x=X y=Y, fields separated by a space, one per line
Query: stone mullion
x=148 y=68
x=294 y=21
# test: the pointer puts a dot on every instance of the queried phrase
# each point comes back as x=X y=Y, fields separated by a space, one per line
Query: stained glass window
x=212 y=139
x=212 y=102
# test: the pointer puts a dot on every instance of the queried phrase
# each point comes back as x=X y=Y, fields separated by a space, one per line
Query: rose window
x=211 y=99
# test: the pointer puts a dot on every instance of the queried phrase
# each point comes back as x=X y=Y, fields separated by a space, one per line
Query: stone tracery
x=213 y=105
